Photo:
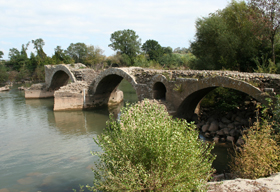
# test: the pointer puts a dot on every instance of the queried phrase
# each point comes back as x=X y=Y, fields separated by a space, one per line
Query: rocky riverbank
x=227 y=126
x=266 y=184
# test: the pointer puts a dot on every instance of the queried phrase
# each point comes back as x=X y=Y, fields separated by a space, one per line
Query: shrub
x=3 y=74
x=23 y=74
x=147 y=150
x=260 y=155
x=39 y=73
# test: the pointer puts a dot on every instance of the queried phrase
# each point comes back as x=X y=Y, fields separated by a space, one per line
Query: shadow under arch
x=107 y=83
x=59 y=79
x=159 y=91
x=203 y=87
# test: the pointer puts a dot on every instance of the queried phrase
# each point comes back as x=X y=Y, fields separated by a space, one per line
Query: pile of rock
x=38 y=86
x=230 y=126
x=21 y=88
x=5 y=88
x=76 y=87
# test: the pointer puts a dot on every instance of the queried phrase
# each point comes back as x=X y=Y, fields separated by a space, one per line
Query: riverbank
x=267 y=184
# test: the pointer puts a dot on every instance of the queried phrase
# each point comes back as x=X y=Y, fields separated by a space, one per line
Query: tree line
x=243 y=36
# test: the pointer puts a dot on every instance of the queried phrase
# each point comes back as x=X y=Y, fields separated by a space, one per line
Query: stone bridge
x=181 y=89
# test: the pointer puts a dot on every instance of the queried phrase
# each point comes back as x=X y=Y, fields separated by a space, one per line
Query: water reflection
x=79 y=122
x=38 y=103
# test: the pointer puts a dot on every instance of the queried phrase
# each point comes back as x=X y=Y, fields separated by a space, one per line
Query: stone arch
x=107 y=82
x=204 y=86
x=57 y=76
x=159 y=91
x=158 y=86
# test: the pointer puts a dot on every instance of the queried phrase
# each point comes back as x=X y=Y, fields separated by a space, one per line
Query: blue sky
x=61 y=22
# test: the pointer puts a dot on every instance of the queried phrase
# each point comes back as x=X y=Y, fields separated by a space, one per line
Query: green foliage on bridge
x=148 y=150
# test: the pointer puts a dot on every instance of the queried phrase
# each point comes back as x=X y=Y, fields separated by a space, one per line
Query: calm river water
x=43 y=150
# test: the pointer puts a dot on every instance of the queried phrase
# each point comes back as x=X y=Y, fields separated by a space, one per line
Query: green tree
x=1 y=54
x=167 y=50
x=148 y=150
x=94 y=56
x=182 y=50
x=77 y=51
x=270 y=9
x=38 y=45
x=226 y=39
x=3 y=73
x=17 y=60
x=60 y=56
x=153 y=49
x=126 y=42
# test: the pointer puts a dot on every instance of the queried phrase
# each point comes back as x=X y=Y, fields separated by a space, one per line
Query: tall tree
x=270 y=9
x=38 y=45
x=225 y=39
x=153 y=49
x=24 y=49
x=126 y=42
x=60 y=56
x=77 y=51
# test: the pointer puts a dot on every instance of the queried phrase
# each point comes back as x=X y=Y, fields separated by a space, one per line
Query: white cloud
x=170 y=22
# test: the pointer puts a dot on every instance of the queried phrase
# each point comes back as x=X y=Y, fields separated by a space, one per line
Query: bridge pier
x=76 y=96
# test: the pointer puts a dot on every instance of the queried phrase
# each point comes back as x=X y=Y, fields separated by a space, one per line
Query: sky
x=62 y=22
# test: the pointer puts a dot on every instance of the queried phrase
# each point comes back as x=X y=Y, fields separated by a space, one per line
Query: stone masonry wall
x=260 y=80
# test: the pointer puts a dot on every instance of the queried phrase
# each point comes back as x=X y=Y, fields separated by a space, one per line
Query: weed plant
x=260 y=155
x=148 y=150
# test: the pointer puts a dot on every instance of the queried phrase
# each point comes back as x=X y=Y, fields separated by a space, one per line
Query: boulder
x=207 y=134
x=226 y=131
x=231 y=126
x=239 y=119
x=200 y=124
x=216 y=139
x=233 y=133
x=214 y=126
x=236 y=123
x=233 y=117
x=205 y=127
x=220 y=132
x=225 y=120
x=221 y=125
x=230 y=139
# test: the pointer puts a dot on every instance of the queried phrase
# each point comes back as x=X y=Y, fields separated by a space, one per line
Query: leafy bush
x=23 y=74
x=265 y=66
x=39 y=74
x=260 y=155
x=148 y=150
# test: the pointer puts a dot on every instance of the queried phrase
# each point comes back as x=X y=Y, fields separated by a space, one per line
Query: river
x=43 y=150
